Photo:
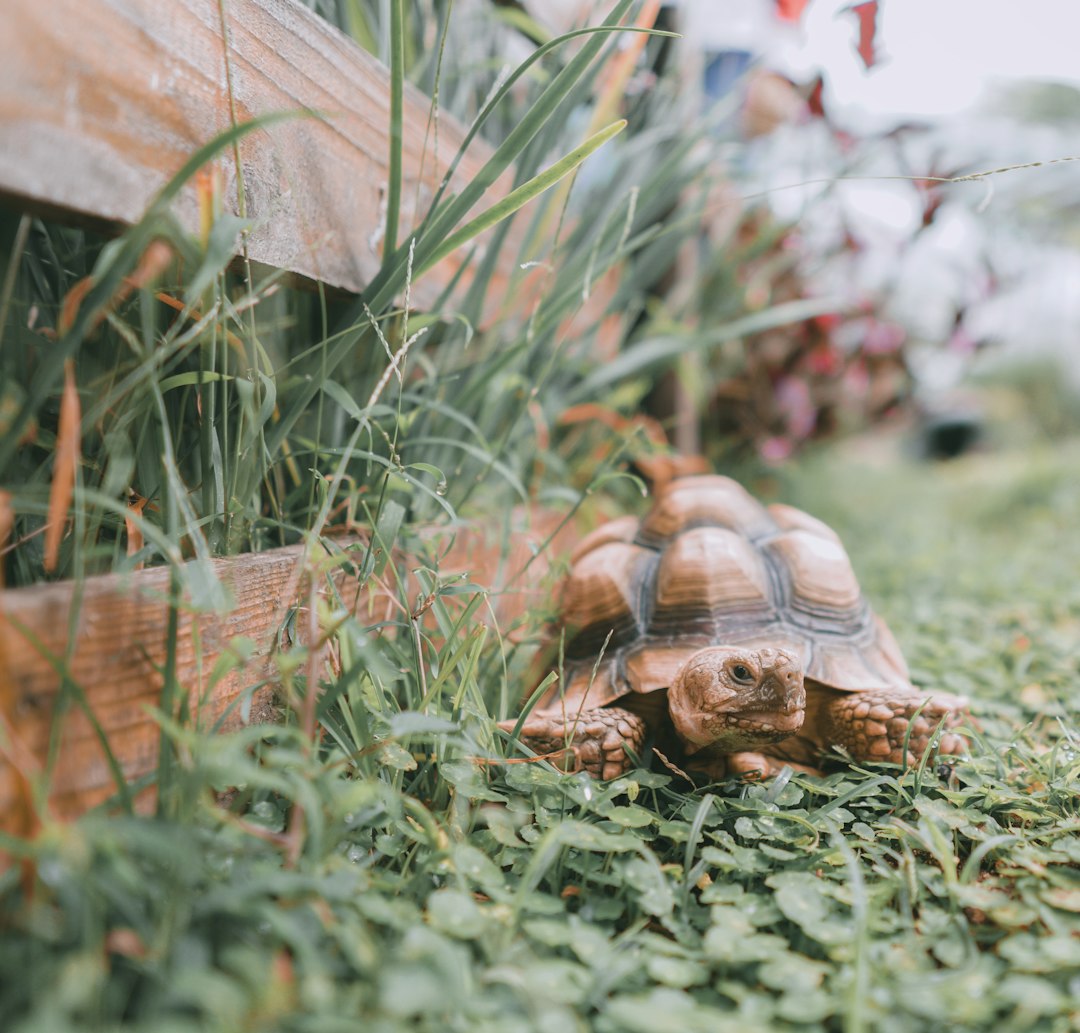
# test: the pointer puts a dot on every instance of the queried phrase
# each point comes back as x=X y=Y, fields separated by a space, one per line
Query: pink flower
x=775 y=449
x=882 y=338
x=796 y=406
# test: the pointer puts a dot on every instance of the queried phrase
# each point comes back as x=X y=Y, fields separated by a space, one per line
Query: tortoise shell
x=710 y=565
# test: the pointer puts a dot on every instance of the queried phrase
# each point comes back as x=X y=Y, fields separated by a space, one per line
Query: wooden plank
x=121 y=627
x=101 y=101
x=120 y=649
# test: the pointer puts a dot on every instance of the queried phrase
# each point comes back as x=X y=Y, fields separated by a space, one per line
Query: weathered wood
x=120 y=647
x=120 y=644
x=101 y=101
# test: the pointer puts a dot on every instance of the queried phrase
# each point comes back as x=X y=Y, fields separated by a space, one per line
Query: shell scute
x=708 y=574
x=650 y=667
x=703 y=501
x=845 y=666
x=621 y=529
x=590 y=685
x=822 y=581
x=788 y=518
x=892 y=657
x=601 y=597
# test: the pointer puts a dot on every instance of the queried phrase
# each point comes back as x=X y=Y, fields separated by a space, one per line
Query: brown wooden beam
x=119 y=646
x=101 y=101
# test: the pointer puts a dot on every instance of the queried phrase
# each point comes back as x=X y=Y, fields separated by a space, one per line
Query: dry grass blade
x=7 y=521
x=65 y=467
x=135 y=506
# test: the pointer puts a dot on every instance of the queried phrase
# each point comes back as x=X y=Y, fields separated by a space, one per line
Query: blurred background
x=837 y=134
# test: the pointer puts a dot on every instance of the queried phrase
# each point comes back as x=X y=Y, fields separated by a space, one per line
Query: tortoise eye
x=742 y=673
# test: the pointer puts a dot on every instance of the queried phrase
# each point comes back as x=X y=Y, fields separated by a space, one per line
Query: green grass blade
x=504 y=91
x=539 y=115
x=397 y=91
x=531 y=702
x=523 y=194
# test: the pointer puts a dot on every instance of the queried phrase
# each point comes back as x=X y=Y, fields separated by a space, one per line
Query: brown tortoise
x=735 y=636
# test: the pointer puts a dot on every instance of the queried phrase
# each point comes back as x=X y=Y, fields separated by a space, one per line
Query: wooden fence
x=102 y=646
x=101 y=101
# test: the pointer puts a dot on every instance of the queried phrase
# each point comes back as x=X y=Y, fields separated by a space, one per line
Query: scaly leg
x=873 y=725
x=590 y=741
x=749 y=765
x=754 y=766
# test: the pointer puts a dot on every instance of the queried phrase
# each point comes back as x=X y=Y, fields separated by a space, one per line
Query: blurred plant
x=210 y=411
x=774 y=391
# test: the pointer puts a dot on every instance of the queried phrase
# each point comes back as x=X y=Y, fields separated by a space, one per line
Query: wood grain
x=119 y=645
x=101 y=101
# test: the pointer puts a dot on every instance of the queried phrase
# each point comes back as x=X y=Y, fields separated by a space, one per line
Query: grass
x=434 y=890
x=209 y=413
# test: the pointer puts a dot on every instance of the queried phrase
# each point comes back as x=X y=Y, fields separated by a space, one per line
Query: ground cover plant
x=383 y=858
x=433 y=887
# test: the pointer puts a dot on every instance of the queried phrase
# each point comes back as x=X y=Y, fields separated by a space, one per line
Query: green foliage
x=430 y=888
x=1032 y=398
x=222 y=413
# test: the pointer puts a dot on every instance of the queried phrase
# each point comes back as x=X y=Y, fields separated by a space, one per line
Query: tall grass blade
x=539 y=115
x=523 y=194
x=505 y=89
x=655 y=351
x=397 y=91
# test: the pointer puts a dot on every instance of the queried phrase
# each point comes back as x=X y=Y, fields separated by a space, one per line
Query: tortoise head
x=728 y=698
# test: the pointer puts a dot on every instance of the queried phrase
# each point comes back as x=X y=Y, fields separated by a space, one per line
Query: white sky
x=937 y=56
x=937 y=59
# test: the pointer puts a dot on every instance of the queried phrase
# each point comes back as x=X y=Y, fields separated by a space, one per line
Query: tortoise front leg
x=874 y=725
x=591 y=740
x=749 y=765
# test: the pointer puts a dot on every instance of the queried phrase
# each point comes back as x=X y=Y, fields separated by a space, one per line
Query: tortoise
x=733 y=637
